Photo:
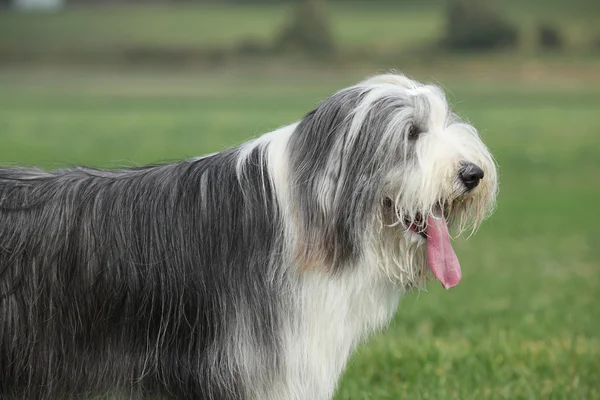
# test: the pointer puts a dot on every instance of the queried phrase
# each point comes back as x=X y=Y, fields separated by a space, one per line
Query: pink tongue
x=442 y=258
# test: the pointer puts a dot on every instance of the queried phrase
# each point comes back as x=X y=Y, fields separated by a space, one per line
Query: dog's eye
x=414 y=132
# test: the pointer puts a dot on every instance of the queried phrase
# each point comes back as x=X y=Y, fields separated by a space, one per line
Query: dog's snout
x=470 y=175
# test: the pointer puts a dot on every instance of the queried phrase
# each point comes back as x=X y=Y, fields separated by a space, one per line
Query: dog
x=249 y=274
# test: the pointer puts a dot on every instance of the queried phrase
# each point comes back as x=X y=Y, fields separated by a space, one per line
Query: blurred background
x=111 y=83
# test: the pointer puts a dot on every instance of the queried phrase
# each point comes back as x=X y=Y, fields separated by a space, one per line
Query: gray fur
x=133 y=280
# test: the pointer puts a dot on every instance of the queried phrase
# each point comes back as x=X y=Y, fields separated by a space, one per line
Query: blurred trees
x=477 y=25
x=549 y=36
x=309 y=29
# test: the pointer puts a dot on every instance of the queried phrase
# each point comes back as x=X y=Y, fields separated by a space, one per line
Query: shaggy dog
x=250 y=274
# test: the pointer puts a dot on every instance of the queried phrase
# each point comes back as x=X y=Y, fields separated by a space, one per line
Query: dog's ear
x=328 y=247
x=329 y=207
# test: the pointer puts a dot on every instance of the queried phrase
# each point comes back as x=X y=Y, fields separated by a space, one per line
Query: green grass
x=525 y=321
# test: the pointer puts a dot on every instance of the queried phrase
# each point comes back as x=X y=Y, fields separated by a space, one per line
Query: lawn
x=523 y=324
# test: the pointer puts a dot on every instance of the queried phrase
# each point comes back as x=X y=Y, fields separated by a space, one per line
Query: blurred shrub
x=549 y=36
x=252 y=47
x=477 y=25
x=308 y=31
x=595 y=41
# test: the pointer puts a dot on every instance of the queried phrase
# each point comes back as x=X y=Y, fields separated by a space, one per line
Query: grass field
x=525 y=321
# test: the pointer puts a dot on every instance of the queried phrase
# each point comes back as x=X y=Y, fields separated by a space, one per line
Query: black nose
x=470 y=175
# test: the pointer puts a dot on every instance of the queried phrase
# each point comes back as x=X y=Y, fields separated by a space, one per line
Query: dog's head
x=383 y=171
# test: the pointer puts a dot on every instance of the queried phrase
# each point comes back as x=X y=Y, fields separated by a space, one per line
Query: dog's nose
x=470 y=175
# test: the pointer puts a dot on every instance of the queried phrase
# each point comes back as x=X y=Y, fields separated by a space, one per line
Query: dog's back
x=123 y=281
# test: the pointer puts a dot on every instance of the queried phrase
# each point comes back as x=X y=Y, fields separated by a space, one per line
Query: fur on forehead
x=394 y=79
x=427 y=102
x=402 y=84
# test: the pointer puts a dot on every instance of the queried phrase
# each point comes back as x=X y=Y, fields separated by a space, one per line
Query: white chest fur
x=330 y=317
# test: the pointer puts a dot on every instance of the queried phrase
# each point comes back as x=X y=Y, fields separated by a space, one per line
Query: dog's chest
x=327 y=319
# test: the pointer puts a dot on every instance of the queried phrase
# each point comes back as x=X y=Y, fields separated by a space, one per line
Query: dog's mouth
x=416 y=225
x=433 y=227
